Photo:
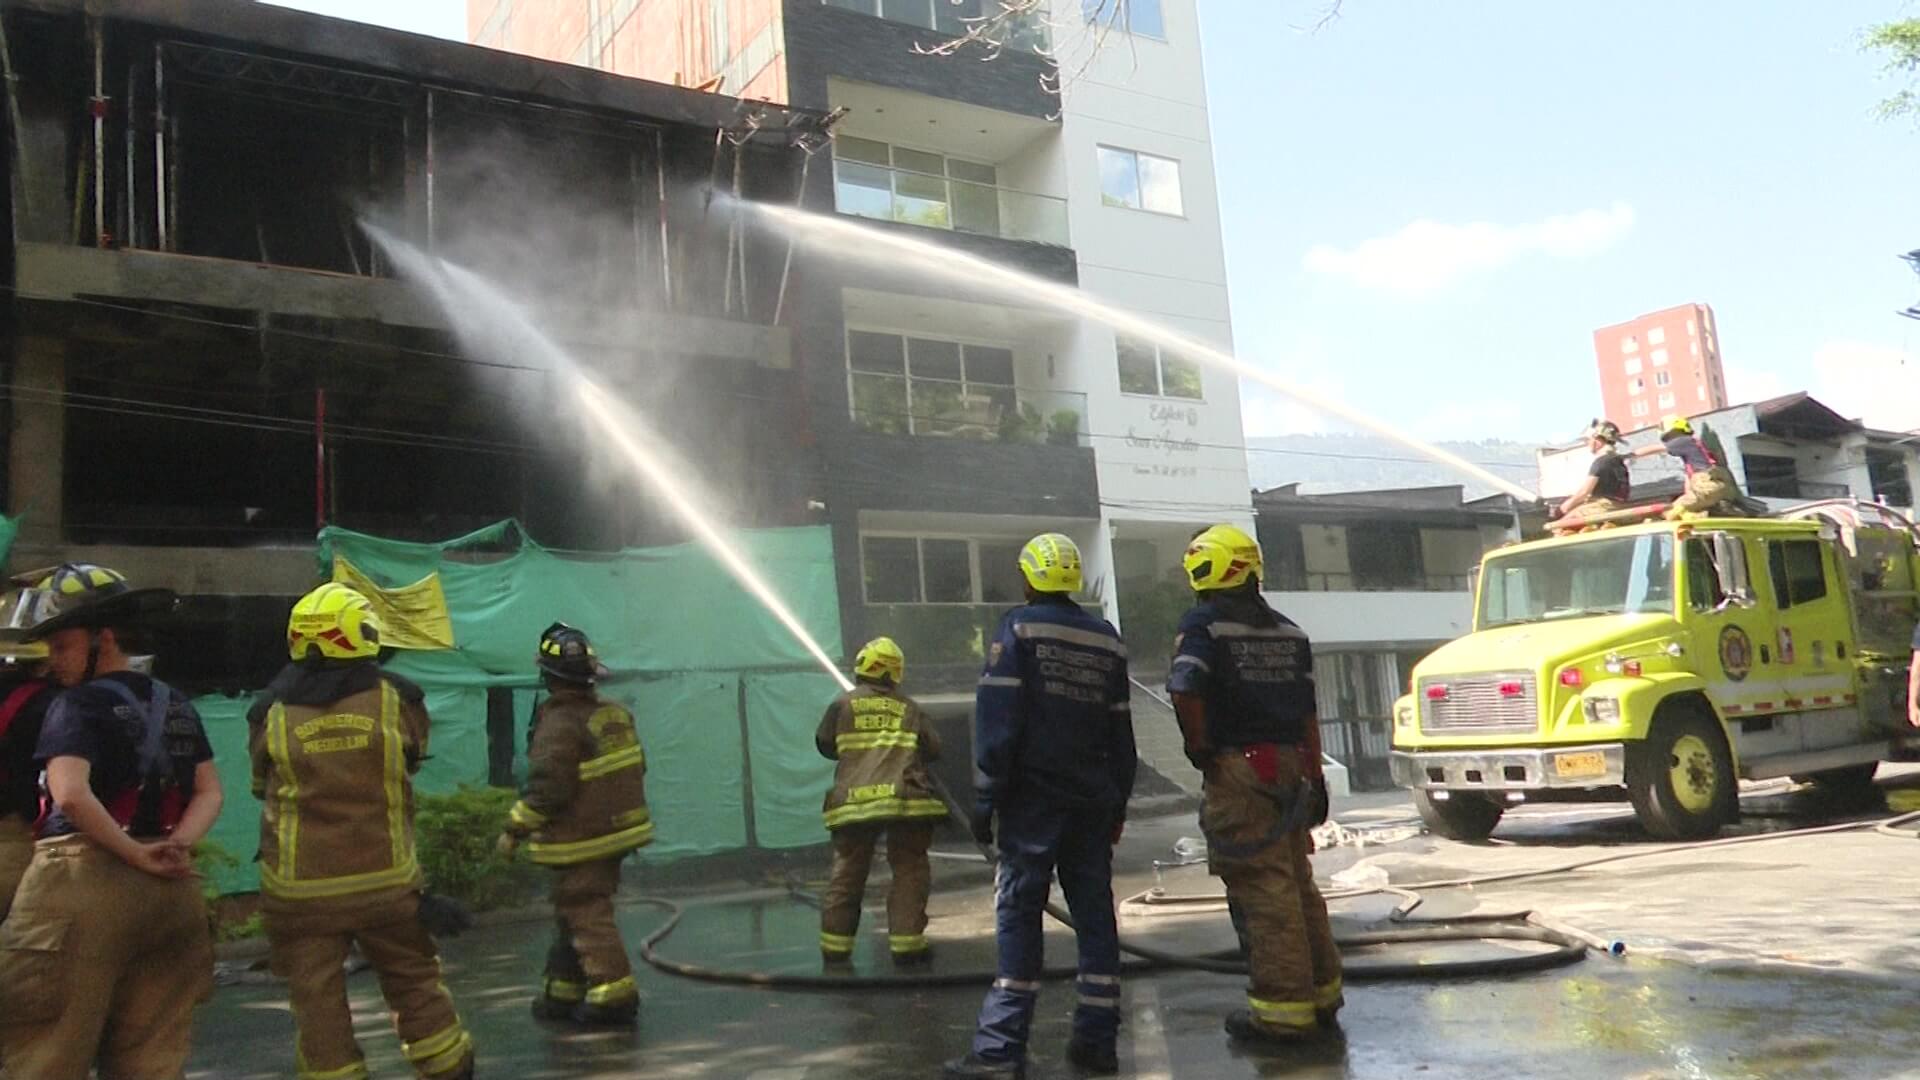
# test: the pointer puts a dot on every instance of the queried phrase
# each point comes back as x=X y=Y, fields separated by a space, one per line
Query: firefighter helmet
x=335 y=623
x=881 y=659
x=1223 y=557
x=567 y=655
x=1604 y=430
x=22 y=607
x=1675 y=425
x=82 y=594
x=1051 y=564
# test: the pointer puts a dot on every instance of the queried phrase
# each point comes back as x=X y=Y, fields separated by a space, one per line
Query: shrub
x=454 y=834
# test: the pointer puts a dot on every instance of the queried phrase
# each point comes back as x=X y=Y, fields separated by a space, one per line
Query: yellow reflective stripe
x=876 y=740
x=1327 y=994
x=842 y=943
x=907 y=943
x=563 y=990
x=623 y=758
x=440 y=1052
x=598 y=847
x=399 y=836
x=355 y=1071
x=885 y=808
x=295 y=889
x=619 y=990
x=526 y=816
x=636 y=816
x=287 y=798
x=1283 y=1013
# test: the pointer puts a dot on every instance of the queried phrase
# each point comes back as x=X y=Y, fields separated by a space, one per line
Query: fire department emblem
x=1736 y=653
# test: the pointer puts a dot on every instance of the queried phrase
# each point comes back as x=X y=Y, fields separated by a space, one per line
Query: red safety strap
x=15 y=701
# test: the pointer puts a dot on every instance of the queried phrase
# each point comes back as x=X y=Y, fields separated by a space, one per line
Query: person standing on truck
x=1607 y=486
x=1709 y=484
x=1243 y=691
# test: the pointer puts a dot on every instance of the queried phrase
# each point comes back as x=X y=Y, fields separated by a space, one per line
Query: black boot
x=975 y=1067
x=1097 y=1059
x=552 y=1010
x=1241 y=1027
x=617 y=1014
x=918 y=958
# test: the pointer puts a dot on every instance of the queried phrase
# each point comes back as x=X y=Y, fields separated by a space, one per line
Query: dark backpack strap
x=15 y=701
x=154 y=763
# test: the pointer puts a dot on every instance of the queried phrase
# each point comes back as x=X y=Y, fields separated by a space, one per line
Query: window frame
x=1108 y=201
x=964 y=384
x=976 y=582
x=895 y=170
x=1786 y=595
x=1092 y=11
x=1159 y=372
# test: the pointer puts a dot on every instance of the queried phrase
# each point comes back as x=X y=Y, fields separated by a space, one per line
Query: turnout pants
x=1705 y=490
x=16 y=851
x=1293 y=964
x=100 y=964
x=588 y=961
x=1035 y=842
x=907 y=843
x=309 y=942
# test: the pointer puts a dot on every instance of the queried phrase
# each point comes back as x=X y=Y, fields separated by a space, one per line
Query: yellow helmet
x=23 y=607
x=881 y=659
x=1675 y=425
x=1222 y=557
x=1051 y=564
x=85 y=595
x=337 y=622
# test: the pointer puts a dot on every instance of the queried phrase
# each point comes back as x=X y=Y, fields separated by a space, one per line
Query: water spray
x=852 y=240
x=511 y=328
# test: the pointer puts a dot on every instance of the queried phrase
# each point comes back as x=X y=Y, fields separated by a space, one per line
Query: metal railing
x=902 y=405
x=889 y=193
x=1015 y=29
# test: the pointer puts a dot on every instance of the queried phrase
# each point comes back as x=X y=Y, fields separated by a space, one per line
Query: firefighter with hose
x=1607 y=488
x=882 y=742
x=1242 y=687
x=1709 y=483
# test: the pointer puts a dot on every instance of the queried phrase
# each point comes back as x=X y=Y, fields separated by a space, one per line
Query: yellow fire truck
x=1661 y=663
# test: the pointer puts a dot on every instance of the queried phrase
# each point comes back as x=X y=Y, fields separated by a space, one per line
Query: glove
x=982 y=824
x=444 y=916
x=506 y=845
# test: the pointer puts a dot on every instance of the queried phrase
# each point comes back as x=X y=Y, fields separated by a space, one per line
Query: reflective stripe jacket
x=586 y=795
x=336 y=780
x=1052 y=719
x=882 y=741
x=1252 y=665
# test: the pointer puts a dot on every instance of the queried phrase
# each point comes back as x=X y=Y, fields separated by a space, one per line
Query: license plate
x=1584 y=763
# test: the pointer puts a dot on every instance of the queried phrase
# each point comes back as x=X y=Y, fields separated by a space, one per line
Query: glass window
x=948 y=565
x=850 y=148
x=950 y=16
x=880 y=403
x=1633 y=365
x=1119 y=178
x=1662 y=378
x=1666 y=401
x=917 y=12
x=1659 y=357
x=1657 y=335
x=929 y=386
x=967 y=170
x=1139 y=368
x=1179 y=377
x=1639 y=408
x=1631 y=575
x=1705 y=591
x=1629 y=344
x=1799 y=573
x=891 y=569
x=1000 y=580
x=988 y=364
x=1142 y=17
x=1160 y=185
x=1140 y=181
x=868 y=351
x=933 y=359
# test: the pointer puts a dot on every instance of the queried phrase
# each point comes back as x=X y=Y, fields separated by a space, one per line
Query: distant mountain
x=1345 y=462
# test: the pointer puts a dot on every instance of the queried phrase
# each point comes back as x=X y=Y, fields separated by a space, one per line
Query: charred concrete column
x=36 y=461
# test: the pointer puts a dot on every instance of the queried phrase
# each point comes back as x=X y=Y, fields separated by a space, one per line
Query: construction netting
x=726 y=699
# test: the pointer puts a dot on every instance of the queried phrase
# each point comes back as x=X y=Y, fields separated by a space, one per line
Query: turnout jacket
x=882 y=741
x=586 y=796
x=1052 y=719
x=1254 y=667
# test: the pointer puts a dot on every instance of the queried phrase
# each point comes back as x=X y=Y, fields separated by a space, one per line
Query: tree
x=1899 y=42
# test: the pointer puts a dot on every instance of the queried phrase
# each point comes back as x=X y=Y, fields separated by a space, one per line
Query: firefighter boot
x=975 y=1067
x=1242 y=1028
x=1093 y=1059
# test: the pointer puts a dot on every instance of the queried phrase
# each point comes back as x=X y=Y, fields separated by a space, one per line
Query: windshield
x=1631 y=575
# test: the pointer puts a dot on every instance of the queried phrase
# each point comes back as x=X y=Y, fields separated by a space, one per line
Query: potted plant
x=1063 y=428
x=1022 y=424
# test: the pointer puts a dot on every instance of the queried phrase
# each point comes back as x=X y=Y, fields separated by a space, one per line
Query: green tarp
x=691 y=651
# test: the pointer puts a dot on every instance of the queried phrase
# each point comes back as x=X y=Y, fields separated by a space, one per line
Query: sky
x=1429 y=208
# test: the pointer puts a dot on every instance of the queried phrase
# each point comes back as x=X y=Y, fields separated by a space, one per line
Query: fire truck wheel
x=1462 y=815
x=1681 y=778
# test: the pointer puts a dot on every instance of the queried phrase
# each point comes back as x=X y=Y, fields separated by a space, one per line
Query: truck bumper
x=1590 y=766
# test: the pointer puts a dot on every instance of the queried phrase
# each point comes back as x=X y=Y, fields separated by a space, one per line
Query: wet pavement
x=1638 y=1017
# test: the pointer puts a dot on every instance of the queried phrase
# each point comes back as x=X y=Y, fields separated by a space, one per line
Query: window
x=1145 y=368
x=1772 y=477
x=894 y=183
x=1633 y=365
x=1799 y=572
x=1659 y=357
x=1705 y=592
x=1657 y=336
x=1693 y=347
x=1693 y=330
x=1385 y=557
x=940 y=570
x=1635 y=386
x=1629 y=344
x=1702 y=393
x=1639 y=408
x=1142 y=17
x=902 y=385
x=1663 y=378
x=1140 y=181
x=1666 y=401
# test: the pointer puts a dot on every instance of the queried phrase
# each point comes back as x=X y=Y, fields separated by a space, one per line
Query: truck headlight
x=1600 y=710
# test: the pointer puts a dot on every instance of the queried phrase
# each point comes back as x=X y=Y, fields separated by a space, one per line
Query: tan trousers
x=588 y=960
x=1293 y=963
x=16 y=851
x=1705 y=490
x=100 y=964
x=907 y=844
x=309 y=943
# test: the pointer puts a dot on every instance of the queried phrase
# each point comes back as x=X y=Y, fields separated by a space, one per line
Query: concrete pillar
x=36 y=450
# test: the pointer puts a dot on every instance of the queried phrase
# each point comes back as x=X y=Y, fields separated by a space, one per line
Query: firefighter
x=1054 y=754
x=25 y=693
x=1709 y=483
x=1607 y=486
x=881 y=788
x=335 y=742
x=1242 y=688
x=584 y=810
x=107 y=949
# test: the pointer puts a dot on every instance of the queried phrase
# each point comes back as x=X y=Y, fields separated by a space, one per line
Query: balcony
x=1026 y=31
x=949 y=408
x=958 y=195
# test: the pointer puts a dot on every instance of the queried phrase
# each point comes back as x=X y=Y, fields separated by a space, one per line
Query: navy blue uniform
x=1254 y=667
x=1054 y=759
